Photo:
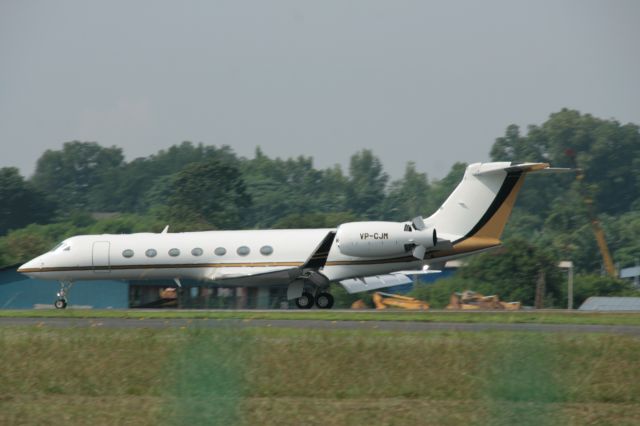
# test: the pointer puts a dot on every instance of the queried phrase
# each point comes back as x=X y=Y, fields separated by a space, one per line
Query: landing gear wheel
x=305 y=301
x=65 y=288
x=324 y=300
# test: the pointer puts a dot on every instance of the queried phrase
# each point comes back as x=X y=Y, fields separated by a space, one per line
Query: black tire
x=324 y=300
x=305 y=301
x=60 y=304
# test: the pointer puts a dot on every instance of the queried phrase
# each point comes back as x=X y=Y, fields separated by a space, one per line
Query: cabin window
x=266 y=250
x=151 y=253
x=174 y=252
x=197 y=251
x=67 y=248
x=220 y=251
x=243 y=250
x=127 y=253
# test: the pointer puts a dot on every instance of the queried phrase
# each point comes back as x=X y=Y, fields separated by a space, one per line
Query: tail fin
x=474 y=215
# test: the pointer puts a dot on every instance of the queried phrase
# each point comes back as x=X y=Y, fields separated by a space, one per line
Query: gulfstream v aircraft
x=361 y=256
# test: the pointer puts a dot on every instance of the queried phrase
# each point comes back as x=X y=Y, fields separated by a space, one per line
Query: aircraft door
x=100 y=257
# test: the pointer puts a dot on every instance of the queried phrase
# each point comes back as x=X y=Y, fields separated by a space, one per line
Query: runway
x=415 y=326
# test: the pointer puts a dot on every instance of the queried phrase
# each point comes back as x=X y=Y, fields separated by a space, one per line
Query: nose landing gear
x=65 y=288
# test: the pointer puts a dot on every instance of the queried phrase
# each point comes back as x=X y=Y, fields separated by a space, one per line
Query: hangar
x=17 y=291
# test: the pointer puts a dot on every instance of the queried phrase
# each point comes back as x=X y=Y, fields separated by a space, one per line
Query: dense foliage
x=88 y=188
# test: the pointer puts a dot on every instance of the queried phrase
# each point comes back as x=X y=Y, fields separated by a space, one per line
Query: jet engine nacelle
x=376 y=239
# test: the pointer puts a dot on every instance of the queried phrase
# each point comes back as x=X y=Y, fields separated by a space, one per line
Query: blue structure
x=18 y=291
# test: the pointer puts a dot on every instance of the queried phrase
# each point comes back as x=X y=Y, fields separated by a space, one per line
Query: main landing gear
x=322 y=300
x=65 y=288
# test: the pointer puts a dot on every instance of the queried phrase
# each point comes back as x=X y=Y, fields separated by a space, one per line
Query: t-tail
x=475 y=214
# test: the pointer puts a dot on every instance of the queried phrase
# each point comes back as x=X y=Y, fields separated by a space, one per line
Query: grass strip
x=283 y=376
x=531 y=317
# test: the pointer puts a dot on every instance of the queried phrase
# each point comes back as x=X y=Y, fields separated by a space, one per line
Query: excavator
x=470 y=300
x=387 y=300
x=607 y=260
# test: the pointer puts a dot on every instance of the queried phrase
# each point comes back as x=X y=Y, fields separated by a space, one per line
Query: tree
x=282 y=188
x=367 y=183
x=441 y=189
x=71 y=174
x=439 y=293
x=409 y=196
x=512 y=272
x=608 y=152
x=21 y=203
x=586 y=286
x=209 y=194
x=314 y=220
x=126 y=188
x=623 y=234
x=24 y=244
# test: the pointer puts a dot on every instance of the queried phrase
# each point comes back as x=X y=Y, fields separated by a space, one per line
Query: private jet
x=360 y=256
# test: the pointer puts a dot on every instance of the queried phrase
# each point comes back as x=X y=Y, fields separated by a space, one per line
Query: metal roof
x=611 y=304
x=634 y=271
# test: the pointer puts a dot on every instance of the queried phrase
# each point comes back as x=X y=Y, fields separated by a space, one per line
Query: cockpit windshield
x=59 y=245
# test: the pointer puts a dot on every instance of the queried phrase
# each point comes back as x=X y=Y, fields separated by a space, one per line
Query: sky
x=422 y=81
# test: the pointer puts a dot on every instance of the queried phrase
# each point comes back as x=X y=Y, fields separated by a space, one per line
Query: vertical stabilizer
x=477 y=211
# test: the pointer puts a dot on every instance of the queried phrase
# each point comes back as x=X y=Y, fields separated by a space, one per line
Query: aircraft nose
x=34 y=265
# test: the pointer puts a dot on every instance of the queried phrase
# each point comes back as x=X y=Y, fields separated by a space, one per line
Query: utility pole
x=540 y=285
x=568 y=265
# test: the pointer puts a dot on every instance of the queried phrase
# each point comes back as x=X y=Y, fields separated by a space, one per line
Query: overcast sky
x=430 y=82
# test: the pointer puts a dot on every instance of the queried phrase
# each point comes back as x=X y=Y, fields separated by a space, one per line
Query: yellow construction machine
x=607 y=260
x=386 y=300
x=470 y=300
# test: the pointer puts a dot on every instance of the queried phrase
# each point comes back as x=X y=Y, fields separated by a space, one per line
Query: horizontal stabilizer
x=423 y=272
x=356 y=285
x=551 y=170
x=538 y=168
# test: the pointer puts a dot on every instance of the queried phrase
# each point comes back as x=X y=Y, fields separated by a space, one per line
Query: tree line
x=88 y=188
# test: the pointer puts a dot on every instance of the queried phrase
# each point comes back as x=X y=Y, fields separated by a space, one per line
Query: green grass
x=538 y=317
x=267 y=376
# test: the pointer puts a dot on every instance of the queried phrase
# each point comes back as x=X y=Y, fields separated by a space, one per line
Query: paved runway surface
x=318 y=324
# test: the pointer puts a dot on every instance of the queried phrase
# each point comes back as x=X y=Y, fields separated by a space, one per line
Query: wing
x=356 y=285
x=255 y=276
x=274 y=275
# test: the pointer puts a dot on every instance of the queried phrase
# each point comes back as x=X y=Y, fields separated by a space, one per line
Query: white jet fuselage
x=215 y=256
